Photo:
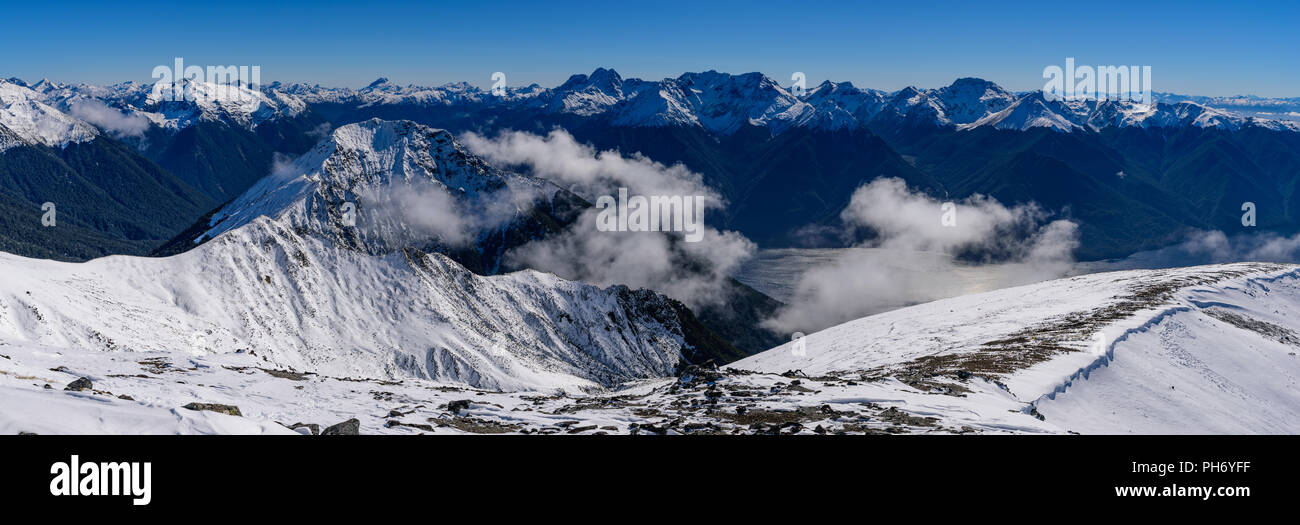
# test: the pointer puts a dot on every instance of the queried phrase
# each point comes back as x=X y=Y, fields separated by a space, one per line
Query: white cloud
x=692 y=272
x=912 y=257
x=116 y=122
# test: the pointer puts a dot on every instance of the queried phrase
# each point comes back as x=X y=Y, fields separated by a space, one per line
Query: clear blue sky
x=1194 y=47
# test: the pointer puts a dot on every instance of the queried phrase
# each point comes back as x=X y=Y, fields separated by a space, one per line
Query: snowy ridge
x=300 y=302
x=1223 y=361
x=207 y=102
x=1043 y=350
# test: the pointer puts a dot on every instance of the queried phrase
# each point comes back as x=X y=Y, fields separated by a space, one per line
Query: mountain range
x=1134 y=177
x=281 y=240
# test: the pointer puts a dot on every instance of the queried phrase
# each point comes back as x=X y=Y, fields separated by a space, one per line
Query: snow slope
x=1202 y=349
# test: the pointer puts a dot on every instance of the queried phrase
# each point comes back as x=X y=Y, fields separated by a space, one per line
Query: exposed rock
x=79 y=385
x=215 y=407
x=351 y=427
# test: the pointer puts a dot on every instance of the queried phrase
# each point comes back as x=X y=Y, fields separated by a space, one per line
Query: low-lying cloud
x=584 y=170
x=116 y=122
x=406 y=213
x=695 y=273
x=912 y=256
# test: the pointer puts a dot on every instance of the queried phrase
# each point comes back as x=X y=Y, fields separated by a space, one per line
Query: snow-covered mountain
x=285 y=277
x=371 y=164
x=201 y=102
x=717 y=102
x=1034 y=110
x=25 y=119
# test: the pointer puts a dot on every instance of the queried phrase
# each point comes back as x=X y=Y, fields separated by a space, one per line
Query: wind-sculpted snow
x=1200 y=349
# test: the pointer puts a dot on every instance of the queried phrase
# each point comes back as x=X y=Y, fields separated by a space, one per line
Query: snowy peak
x=587 y=95
x=970 y=99
x=380 y=186
x=1031 y=111
x=603 y=80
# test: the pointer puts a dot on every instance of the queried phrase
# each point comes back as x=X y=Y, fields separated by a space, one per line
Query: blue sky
x=1203 y=48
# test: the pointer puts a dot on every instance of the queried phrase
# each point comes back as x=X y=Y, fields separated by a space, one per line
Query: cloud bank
x=695 y=273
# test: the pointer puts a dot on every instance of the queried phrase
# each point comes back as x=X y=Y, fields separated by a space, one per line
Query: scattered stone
x=351 y=427
x=25 y=433
x=79 y=385
x=48 y=387
x=215 y=407
x=456 y=406
x=126 y=397
x=706 y=372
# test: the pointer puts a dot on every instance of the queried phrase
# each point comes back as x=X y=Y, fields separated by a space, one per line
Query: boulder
x=351 y=427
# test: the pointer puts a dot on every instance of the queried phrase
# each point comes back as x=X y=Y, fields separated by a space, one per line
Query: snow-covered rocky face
x=24 y=119
x=284 y=277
